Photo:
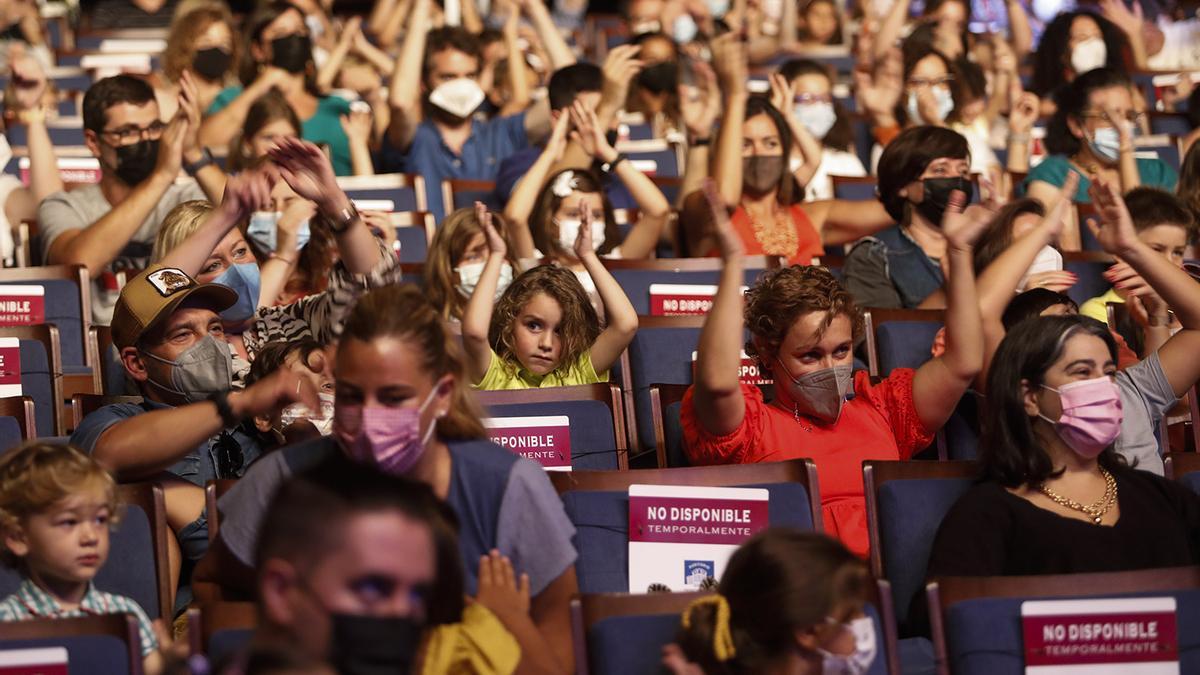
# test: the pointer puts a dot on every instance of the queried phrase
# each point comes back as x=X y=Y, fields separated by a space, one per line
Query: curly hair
x=186 y=28
x=1052 y=57
x=580 y=324
x=780 y=297
x=36 y=475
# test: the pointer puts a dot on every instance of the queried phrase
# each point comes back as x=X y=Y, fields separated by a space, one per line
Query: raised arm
x=1130 y=22
x=842 y=221
x=620 y=317
x=939 y=384
x=620 y=67
x=211 y=177
x=1020 y=33
x=720 y=406
x=729 y=59
x=700 y=107
x=783 y=97
x=1022 y=115
x=405 y=89
x=890 y=28
x=245 y=193
x=655 y=210
x=525 y=193
x=477 y=315
x=1176 y=287
x=556 y=47
x=518 y=83
x=219 y=128
x=26 y=91
x=358 y=126
x=329 y=71
x=276 y=271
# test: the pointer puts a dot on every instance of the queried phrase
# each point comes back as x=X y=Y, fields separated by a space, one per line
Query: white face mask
x=858 y=662
x=945 y=103
x=323 y=420
x=263 y=230
x=818 y=117
x=1090 y=54
x=568 y=231
x=468 y=278
x=458 y=97
x=1048 y=260
x=685 y=29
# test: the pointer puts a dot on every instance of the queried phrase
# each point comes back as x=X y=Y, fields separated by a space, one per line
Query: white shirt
x=834 y=162
x=1181 y=46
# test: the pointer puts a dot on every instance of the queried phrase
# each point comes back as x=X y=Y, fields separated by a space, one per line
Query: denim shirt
x=197 y=467
x=889 y=270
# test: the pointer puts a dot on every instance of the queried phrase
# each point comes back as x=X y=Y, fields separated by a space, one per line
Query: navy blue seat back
x=859 y=192
x=593 y=441
x=62 y=310
x=403 y=199
x=224 y=644
x=658 y=356
x=601 y=521
x=673 y=435
x=129 y=570
x=100 y=654
x=904 y=344
x=37 y=383
x=910 y=512
x=666 y=161
x=632 y=645
x=962 y=429
x=59 y=135
x=467 y=198
x=114 y=372
x=1191 y=481
x=414 y=244
x=640 y=131
x=984 y=634
x=10 y=434
x=1174 y=125
x=1091 y=279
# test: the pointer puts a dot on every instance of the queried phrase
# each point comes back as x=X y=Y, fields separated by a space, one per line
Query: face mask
x=291 y=52
x=761 y=174
x=864 y=651
x=322 y=420
x=944 y=100
x=204 y=369
x=468 y=278
x=659 y=78
x=389 y=438
x=718 y=8
x=937 y=197
x=135 y=162
x=314 y=25
x=1048 y=260
x=1106 y=144
x=244 y=280
x=1090 y=54
x=458 y=97
x=373 y=645
x=568 y=231
x=818 y=118
x=685 y=29
x=819 y=394
x=212 y=63
x=262 y=229
x=1091 y=415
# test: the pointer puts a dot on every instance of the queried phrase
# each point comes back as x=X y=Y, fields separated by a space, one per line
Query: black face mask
x=660 y=78
x=212 y=63
x=291 y=52
x=937 y=196
x=136 y=162
x=368 y=645
x=760 y=174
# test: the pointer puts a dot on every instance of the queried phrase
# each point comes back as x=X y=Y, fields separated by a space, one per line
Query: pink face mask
x=1091 y=415
x=389 y=438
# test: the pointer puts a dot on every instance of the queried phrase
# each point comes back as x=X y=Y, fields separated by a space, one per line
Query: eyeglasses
x=229 y=456
x=805 y=99
x=1132 y=117
x=131 y=135
x=917 y=82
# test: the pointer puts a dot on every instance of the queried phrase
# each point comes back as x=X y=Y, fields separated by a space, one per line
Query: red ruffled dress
x=880 y=422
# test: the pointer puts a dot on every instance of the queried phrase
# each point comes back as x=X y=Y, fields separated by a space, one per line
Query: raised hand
x=308 y=171
x=728 y=241
x=588 y=133
x=170 y=146
x=1055 y=280
x=880 y=90
x=783 y=95
x=700 y=105
x=620 y=67
x=583 y=240
x=962 y=225
x=28 y=82
x=1023 y=109
x=557 y=142
x=1115 y=232
x=248 y=191
x=358 y=126
x=495 y=243
x=1056 y=218
x=730 y=62
x=189 y=106
x=1129 y=21
x=499 y=589
x=1128 y=282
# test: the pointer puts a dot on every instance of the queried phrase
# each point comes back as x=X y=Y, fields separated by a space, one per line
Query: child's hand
x=1115 y=232
x=962 y=224
x=583 y=240
x=728 y=241
x=588 y=133
x=247 y=192
x=496 y=244
x=499 y=589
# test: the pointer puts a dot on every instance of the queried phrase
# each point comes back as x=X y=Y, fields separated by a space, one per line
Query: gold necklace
x=1094 y=511
x=774 y=238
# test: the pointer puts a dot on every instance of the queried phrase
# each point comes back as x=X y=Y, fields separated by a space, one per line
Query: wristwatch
x=340 y=221
x=607 y=167
x=228 y=418
x=207 y=160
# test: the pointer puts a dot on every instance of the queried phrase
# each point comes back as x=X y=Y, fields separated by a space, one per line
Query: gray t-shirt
x=1146 y=396
x=83 y=206
x=502 y=501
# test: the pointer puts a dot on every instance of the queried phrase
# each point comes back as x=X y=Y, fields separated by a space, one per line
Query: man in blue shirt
x=434 y=94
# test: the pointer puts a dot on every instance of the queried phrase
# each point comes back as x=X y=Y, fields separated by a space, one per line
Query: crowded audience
x=293 y=269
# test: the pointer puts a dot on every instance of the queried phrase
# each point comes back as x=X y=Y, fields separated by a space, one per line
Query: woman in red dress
x=803 y=327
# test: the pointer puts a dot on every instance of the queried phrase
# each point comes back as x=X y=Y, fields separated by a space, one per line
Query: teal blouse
x=323 y=128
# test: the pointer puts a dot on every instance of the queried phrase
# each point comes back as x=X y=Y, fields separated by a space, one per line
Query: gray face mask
x=819 y=394
x=206 y=368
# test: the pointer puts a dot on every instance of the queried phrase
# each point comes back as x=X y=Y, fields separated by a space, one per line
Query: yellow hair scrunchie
x=723 y=647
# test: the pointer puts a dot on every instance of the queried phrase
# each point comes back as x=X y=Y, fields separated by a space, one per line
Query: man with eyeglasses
x=110 y=227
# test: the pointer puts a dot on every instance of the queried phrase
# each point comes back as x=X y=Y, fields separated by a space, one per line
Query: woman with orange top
x=803 y=326
x=754 y=171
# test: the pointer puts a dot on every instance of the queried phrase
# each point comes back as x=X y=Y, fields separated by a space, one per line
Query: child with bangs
x=544 y=331
x=57 y=506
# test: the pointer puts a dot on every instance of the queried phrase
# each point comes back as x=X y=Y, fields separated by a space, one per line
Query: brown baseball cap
x=154 y=295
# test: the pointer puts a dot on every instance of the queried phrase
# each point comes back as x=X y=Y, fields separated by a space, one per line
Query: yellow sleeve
x=1096 y=308
x=479 y=645
x=496 y=376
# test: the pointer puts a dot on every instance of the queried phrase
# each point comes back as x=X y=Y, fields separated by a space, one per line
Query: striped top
x=31 y=602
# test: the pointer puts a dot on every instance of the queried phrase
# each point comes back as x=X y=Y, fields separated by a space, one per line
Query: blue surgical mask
x=244 y=280
x=1106 y=144
x=945 y=103
x=262 y=228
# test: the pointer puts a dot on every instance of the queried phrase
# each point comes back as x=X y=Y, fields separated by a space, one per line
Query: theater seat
x=594 y=411
x=900 y=338
x=106 y=644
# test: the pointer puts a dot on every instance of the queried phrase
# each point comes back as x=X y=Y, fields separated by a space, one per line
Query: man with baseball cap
x=167 y=328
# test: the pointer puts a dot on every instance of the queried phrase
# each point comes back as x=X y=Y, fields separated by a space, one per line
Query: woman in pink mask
x=1057 y=497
